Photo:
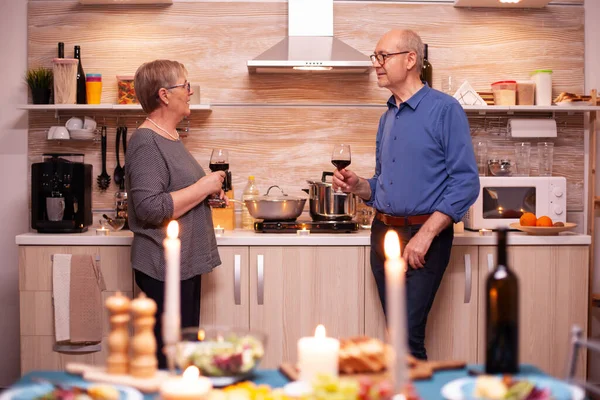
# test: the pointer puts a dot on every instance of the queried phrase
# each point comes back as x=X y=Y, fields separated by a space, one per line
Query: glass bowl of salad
x=224 y=354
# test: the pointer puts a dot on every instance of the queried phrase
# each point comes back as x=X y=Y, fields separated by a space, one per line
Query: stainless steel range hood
x=310 y=45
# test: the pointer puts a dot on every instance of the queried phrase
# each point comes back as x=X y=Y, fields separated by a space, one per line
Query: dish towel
x=61 y=281
x=86 y=311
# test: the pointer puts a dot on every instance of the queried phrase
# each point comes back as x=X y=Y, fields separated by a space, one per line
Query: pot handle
x=269 y=189
x=325 y=175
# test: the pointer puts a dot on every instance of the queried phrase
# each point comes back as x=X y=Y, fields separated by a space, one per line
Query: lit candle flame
x=391 y=245
x=191 y=373
x=201 y=335
x=173 y=230
x=320 y=331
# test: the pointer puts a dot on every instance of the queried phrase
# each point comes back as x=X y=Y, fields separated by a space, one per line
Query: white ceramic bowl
x=58 y=132
x=74 y=123
x=89 y=123
x=81 y=134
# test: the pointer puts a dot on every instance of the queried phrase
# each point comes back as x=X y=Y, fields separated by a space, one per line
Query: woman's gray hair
x=411 y=41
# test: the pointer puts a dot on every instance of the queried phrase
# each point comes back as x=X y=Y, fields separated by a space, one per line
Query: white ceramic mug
x=55 y=207
x=58 y=132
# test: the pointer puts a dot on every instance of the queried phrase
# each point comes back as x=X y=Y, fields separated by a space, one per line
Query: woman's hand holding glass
x=213 y=184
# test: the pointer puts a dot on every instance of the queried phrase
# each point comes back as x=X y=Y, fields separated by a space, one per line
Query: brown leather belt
x=402 y=221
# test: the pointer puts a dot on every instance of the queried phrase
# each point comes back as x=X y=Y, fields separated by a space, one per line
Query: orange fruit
x=544 y=221
x=528 y=219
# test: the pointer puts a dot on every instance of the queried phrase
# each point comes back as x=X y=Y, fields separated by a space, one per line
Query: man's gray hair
x=411 y=41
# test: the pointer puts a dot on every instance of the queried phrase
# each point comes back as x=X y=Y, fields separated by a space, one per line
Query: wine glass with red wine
x=341 y=158
x=219 y=161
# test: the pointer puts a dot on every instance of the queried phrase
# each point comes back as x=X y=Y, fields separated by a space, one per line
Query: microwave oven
x=502 y=200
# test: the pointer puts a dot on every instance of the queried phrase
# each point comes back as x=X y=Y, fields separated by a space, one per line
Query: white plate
x=453 y=390
x=34 y=390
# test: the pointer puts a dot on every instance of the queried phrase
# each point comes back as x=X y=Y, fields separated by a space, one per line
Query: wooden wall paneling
x=215 y=39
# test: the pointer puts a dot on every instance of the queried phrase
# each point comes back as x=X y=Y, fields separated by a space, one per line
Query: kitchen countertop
x=240 y=237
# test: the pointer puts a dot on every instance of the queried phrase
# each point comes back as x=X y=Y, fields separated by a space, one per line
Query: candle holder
x=219 y=231
x=303 y=232
x=485 y=232
x=102 y=232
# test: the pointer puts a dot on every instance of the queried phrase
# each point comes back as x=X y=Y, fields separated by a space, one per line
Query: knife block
x=225 y=217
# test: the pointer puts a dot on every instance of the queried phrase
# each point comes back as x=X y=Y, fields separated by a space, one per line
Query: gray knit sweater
x=155 y=167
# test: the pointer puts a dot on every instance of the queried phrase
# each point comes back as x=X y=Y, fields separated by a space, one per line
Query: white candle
x=102 y=231
x=171 y=317
x=219 y=231
x=395 y=267
x=317 y=355
x=189 y=386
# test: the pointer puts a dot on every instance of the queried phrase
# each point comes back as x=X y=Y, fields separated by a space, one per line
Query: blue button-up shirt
x=424 y=158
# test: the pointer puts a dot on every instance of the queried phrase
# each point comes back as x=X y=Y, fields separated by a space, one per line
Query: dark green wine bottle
x=81 y=91
x=427 y=70
x=502 y=315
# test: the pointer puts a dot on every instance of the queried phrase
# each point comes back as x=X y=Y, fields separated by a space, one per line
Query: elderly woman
x=165 y=182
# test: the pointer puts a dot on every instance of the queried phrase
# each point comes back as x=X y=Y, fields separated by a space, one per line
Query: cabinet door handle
x=490 y=263
x=260 y=273
x=237 y=270
x=467 y=278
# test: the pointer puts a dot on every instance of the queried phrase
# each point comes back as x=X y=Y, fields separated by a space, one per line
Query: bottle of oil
x=502 y=315
x=249 y=191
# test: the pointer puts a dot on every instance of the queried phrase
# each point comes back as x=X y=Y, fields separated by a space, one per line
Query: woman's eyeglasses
x=186 y=85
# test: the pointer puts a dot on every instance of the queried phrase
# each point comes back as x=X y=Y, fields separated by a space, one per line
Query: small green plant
x=39 y=78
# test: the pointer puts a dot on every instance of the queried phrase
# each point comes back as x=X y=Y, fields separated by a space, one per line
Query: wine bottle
x=502 y=315
x=81 y=92
x=427 y=70
x=61 y=50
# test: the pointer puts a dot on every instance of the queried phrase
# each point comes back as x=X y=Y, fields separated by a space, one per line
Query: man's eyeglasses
x=186 y=85
x=381 y=57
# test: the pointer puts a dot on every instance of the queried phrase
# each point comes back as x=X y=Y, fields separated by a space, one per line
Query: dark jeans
x=421 y=284
x=190 y=306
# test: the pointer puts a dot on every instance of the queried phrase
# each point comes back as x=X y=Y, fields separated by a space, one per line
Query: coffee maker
x=61 y=194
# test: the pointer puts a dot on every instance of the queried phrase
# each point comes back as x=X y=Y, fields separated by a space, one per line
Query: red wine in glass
x=341 y=158
x=340 y=164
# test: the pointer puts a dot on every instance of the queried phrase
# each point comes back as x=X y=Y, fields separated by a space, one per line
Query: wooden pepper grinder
x=118 y=339
x=143 y=361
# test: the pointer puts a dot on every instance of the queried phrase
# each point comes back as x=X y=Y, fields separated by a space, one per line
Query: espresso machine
x=61 y=194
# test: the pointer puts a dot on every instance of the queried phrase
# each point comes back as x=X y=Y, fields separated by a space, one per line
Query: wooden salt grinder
x=143 y=361
x=118 y=339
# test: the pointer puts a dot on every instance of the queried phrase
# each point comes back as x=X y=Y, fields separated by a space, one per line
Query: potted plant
x=40 y=82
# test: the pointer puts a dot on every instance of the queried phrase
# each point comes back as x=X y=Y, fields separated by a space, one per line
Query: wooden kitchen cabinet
x=225 y=291
x=36 y=307
x=293 y=289
x=553 y=291
x=452 y=324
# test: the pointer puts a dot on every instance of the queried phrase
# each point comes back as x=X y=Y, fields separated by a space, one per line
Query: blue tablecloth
x=427 y=389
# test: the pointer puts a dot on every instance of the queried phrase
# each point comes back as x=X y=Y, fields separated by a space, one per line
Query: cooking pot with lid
x=327 y=206
x=275 y=207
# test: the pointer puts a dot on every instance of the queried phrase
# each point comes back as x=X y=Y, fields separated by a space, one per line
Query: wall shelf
x=97 y=107
x=542 y=109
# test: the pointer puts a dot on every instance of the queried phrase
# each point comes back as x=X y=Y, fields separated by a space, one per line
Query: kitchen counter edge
x=240 y=237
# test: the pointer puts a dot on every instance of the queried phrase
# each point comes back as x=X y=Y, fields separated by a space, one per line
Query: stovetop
x=312 y=226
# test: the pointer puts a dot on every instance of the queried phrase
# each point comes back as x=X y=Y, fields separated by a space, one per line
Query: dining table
x=428 y=389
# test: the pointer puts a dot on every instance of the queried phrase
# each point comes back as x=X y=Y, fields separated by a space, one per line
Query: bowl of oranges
x=542 y=226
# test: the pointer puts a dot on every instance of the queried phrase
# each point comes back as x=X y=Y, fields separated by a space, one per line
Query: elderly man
x=425 y=176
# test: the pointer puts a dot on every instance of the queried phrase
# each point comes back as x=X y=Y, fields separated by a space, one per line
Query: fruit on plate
x=558 y=224
x=544 y=221
x=507 y=388
x=228 y=355
x=528 y=219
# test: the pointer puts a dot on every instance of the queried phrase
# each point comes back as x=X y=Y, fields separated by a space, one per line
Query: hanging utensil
x=124 y=136
x=103 y=179
x=119 y=173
